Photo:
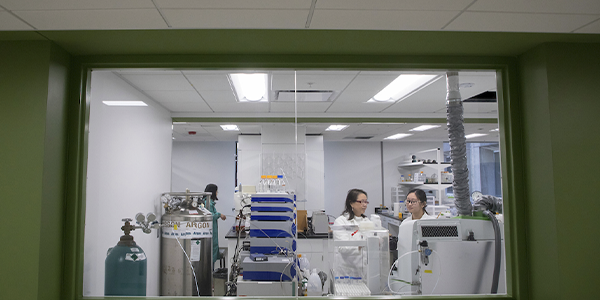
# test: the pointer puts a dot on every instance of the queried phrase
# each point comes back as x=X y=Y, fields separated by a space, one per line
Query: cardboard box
x=302 y=221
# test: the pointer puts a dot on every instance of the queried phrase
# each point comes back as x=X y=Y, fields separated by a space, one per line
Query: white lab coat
x=343 y=220
x=424 y=217
x=348 y=260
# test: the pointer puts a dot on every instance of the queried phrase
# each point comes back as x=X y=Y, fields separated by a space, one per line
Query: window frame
x=509 y=120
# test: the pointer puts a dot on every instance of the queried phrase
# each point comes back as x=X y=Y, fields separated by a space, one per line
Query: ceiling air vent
x=303 y=96
x=358 y=137
x=485 y=97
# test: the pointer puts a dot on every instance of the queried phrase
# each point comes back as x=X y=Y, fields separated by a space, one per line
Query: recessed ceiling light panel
x=230 y=127
x=425 y=127
x=474 y=135
x=250 y=87
x=398 y=136
x=336 y=127
x=403 y=86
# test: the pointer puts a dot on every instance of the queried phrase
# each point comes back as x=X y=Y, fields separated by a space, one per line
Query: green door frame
x=509 y=117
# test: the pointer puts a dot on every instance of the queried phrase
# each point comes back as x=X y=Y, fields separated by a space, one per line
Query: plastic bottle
x=262 y=184
x=281 y=184
x=422 y=177
x=303 y=262
x=304 y=285
x=314 y=284
x=410 y=178
x=401 y=178
x=268 y=184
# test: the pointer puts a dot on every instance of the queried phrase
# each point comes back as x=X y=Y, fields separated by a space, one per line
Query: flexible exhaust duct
x=458 y=148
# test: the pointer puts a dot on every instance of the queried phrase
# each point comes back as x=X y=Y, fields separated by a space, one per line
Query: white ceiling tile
x=518 y=22
x=282 y=107
x=157 y=82
x=432 y=98
x=480 y=84
x=371 y=83
x=94 y=19
x=357 y=107
x=302 y=107
x=240 y=107
x=74 y=4
x=358 y=96
x=394 y=4
x=249 y=129
x=381 y=19
x=9 y=22
x=215 y=18
x=538 y=6
x=335 y=82
x=223 y=97
x=236 y=4
x=491 y=108
x=146 y=72
x=210 y=82
x=198 y=107
x=175 y=96
x=590 y=28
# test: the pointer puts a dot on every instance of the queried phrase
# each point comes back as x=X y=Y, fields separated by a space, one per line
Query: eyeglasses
x=362 y=201
x=412 y=201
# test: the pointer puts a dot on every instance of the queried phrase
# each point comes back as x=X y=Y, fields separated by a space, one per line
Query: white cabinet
x=437 y=200
x=313 y=249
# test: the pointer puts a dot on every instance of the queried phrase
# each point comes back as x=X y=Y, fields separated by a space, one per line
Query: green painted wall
x=33 y=82
x=560 y=84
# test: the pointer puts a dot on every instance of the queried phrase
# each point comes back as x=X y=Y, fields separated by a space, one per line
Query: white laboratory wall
x=249 y=158
x=351 y=165
x=196 y=164
x=395 y=152
x=129 y=166
x=315 y=174
x=358 y=165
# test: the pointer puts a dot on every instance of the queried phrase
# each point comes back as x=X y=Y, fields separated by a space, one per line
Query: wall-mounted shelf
x=404 y=168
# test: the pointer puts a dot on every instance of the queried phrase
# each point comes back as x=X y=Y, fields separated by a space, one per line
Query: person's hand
x=223 y=217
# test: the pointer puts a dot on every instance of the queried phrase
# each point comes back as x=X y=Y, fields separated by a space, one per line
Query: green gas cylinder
x=125 y=267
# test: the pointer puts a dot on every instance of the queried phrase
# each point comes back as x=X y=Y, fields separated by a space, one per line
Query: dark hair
x=421 y=196
x=212 y=188
x=351 y=198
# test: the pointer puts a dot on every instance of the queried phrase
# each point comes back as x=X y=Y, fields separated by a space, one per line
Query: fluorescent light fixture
x=425 y=127
x=474 y=135
x=179 y=123
x=398 y=136
x=125 y=103
x=495 y=130
x=336 y=127
x=403 y=86
x=250 y=87
x=230 y=127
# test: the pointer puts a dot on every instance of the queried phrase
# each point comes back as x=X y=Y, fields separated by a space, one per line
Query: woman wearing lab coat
x=213 y=189
x=416 y=201
x=354 y=209
x=349 y=261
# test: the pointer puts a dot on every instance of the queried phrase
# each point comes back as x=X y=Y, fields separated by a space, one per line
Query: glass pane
x=320 y=134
